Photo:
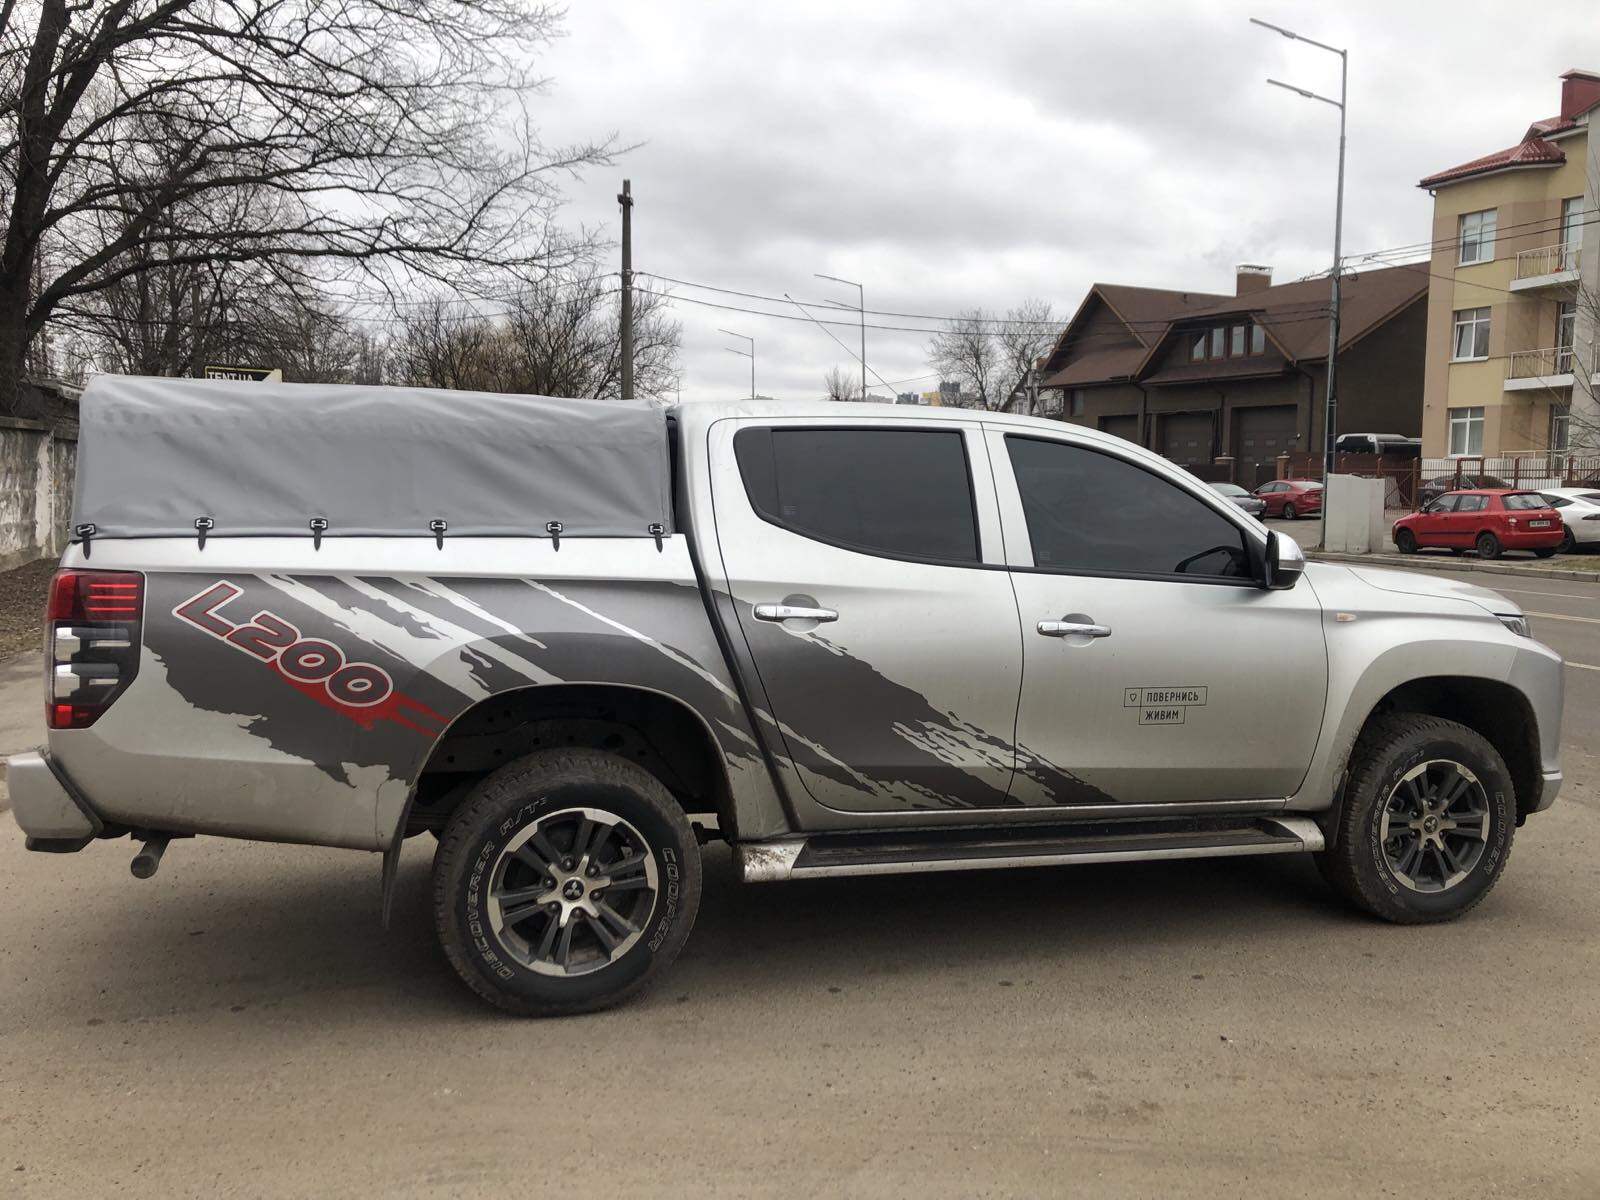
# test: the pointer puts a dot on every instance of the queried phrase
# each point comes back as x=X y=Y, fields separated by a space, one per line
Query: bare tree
x=841 y=385
x=967 y=353
x=560 y=338
x=364 y=122
x=1027 y=336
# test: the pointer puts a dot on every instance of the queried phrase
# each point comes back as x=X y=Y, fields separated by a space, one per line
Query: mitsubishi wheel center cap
x=573 y=890
x=1431 y=825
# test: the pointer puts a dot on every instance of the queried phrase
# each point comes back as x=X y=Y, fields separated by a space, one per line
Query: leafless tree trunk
x=967 y=352
x=841 y=385
x=361 y=125
x=1029 y=334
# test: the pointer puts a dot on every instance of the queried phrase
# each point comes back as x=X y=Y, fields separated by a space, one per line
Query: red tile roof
x=1535 y=152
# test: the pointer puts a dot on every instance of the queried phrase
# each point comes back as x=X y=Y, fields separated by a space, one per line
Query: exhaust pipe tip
x=148 y=859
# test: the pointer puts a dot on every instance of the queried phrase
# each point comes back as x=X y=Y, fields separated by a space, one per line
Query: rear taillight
x=92 y=643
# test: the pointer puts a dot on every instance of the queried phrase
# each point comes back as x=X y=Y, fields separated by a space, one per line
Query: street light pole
x=861 y=292
x=1330 y=410
x=750 y=354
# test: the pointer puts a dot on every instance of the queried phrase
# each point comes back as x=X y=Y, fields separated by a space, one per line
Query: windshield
x=1518 y=500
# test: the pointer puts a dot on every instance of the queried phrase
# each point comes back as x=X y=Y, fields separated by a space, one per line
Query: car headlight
x=1516 y=622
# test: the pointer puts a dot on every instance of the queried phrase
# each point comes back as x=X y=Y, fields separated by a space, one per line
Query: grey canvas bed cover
x=155 y=455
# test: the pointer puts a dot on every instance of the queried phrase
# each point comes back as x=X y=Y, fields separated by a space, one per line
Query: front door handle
x=794 y=612
x=1073 y=629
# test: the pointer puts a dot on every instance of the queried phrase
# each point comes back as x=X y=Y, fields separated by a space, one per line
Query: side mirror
x=1285 y=562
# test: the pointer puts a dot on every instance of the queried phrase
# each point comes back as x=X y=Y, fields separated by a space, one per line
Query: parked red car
x=1488 y=520
x=1291 y=498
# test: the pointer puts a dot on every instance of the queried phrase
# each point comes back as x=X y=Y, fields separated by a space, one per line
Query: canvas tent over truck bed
x=156 y=456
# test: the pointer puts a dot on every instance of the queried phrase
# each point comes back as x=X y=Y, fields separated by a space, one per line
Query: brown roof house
x=1199 y=377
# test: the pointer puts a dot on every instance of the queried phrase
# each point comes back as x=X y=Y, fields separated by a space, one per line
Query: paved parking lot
x=242 y=1026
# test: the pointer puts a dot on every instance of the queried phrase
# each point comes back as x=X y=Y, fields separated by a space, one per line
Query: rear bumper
x=52 y=813
x=1532 y=539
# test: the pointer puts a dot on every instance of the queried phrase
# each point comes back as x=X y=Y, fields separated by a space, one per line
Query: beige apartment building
x=1511 y=344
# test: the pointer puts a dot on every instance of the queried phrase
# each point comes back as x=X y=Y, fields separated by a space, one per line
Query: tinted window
x=1471 y=503
x=1557 y=501
x=1592 y=497
x=905 y=493
x=1093 y=512
x=1520 y=500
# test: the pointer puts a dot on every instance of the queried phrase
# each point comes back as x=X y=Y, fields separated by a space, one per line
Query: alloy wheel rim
x=572 y=892
x=1434 y=826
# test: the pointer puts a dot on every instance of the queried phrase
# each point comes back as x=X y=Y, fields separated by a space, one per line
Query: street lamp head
x=1290 y=34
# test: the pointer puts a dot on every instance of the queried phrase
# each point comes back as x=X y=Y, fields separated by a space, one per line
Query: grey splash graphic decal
x=448 y=643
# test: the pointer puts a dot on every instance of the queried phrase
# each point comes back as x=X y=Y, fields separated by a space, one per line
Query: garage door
x=1122 y=426
x=1259 y=436
x=1186 y=438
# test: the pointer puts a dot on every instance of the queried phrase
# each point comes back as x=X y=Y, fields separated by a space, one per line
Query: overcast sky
x=951 y=155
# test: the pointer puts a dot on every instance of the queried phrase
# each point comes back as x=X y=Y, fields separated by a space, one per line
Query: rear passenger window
x=900 y=493
x=1098 y=514
x=1468 y=504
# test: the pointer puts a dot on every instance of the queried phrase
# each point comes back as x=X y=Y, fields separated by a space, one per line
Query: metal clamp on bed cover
x=658 y=531
x=319 y=526
x=203 y=525
x=438 y=527
x=85 y=534
x=554 y=528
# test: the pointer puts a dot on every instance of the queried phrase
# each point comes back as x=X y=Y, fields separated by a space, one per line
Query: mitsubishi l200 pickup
x=571 y=638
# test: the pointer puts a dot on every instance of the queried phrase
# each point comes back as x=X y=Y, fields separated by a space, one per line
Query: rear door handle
x=793 y=612
x=1073 y=629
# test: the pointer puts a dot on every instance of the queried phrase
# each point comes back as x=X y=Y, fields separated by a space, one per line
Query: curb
x=1418 y=562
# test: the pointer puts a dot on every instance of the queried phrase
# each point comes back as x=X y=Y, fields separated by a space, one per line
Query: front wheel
x=1488 y=545
x=1405 y=541
x=565 y=882
x=1288 y=512
x=1426 y=826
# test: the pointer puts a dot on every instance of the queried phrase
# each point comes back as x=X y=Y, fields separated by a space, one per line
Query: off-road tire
x=521 y=794
x=1289 y=513
x=1488 y=545
x=1357 y=866
x=1405 y=541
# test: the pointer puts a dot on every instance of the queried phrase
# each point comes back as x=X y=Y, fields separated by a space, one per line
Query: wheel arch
x=660 y=732
x=1493 y=708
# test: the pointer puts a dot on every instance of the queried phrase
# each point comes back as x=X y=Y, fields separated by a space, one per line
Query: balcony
x=1552 y=368
x=1546 y=267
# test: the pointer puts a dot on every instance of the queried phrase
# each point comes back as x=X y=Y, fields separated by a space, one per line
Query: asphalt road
x=242 y=1026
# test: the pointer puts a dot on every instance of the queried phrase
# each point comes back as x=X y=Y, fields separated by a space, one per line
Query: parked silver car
x=1253 y=505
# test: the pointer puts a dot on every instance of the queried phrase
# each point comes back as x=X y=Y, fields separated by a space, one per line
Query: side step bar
x=912 y=851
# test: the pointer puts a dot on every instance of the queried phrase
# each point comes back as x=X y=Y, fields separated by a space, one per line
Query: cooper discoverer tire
x=565 y=882
x=1429 y=811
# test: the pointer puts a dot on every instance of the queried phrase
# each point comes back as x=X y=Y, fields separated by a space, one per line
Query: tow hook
x=145 y=862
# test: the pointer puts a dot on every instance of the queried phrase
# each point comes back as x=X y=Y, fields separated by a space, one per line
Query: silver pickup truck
x=574 y=640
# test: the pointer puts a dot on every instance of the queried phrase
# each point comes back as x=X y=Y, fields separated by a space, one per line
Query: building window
x=1466 y=431
x=1566 y=333
x=1197 y=349
x=1472 y=333
x=1477 y=237
x=1560 y=427
x=1572 y=224
x=1217 y=335
x=1075 y=402
x=1227 y=341
x=1258 y=340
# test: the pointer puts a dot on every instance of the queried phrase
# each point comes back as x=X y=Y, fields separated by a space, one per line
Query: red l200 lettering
x=312 y=666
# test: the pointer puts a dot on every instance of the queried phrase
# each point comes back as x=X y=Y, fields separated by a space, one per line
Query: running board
x=904 y=852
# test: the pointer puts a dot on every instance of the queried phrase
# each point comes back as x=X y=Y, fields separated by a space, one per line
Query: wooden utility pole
x=626 y=200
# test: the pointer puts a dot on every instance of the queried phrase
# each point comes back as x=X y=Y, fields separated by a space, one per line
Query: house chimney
x=1251 y=278
x=1580 y=91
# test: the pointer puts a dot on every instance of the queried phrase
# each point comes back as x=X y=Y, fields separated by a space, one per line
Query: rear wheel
x=1569 y=544
x=565 y=882
x=1427 y=821
x=1288 y=512
x=1488 y=545
x=1405 y=541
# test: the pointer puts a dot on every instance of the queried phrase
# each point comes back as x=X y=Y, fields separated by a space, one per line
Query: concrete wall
x=37 y=467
